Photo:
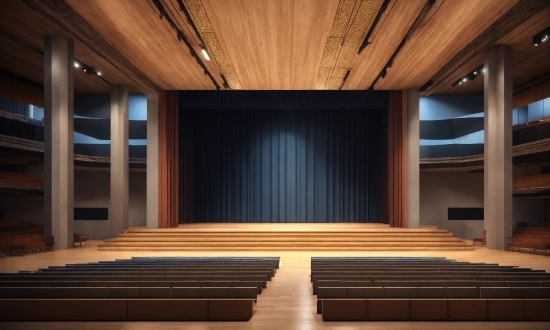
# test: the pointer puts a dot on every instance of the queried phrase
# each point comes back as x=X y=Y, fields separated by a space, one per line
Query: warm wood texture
x=287 y=303
x=273 y=44
x=384 y=40
x=448 y=28
x=168 y=160
x=529 y=61
x=135 y=29
x=22 y=32
x=397 y=146
x=285 y=237
x=268 y=44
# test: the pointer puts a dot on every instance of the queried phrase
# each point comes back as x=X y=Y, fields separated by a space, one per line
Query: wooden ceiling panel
x=529 y=61
x=269 y=44
x=532 y=66
x=448 y=28
x=273 y=44
x=391 y=29
x=22 y=32
x=135 y=30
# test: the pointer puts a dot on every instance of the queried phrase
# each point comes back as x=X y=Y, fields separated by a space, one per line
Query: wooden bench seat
x=399 y=310
x=125 y=309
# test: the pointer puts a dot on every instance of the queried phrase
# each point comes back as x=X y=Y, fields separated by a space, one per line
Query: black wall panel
x=465 y=213
x=91 y=213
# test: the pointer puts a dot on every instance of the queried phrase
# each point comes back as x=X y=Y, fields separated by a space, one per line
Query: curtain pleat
x=284 y=165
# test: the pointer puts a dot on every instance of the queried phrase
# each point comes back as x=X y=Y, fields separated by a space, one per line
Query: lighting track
x=367 y=37
x=83 y=66
x=182 y=37
x=429 y=4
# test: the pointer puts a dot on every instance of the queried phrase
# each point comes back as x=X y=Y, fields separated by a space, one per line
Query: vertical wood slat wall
x=397 y=166
x=168 y=159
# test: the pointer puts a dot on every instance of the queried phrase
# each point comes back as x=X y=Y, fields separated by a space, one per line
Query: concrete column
x=58 y=140
x=118 y=213
x=152 y=160
x=413 y=158
x=498 y=146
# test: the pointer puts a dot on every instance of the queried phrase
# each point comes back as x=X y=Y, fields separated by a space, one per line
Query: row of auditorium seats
x=19 y=179
x=129 y=292
x=436 y=310
x=533 y=181
x=20 y=237
x=531 y=239
x=17 y=282
x=20 y=245
x=411 y=289
x=126 y=309
x=143 y=284
x=433 y=292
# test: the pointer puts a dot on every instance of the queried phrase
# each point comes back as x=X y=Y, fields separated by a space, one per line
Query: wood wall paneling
x=169 y=159
x=396 y=194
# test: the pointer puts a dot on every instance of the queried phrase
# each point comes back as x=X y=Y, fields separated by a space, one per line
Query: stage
x=285 y=237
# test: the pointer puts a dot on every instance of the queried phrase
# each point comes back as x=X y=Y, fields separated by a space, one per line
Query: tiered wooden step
x=285 y=237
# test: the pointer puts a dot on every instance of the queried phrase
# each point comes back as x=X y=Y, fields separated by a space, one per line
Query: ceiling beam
x=60 y=13
x=519 y=13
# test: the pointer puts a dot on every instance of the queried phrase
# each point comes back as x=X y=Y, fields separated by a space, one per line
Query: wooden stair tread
x=288 y=237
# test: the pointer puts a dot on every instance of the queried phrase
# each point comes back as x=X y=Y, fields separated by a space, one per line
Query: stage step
x=250 y=237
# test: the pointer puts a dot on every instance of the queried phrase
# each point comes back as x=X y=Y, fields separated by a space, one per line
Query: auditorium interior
x=297 y=164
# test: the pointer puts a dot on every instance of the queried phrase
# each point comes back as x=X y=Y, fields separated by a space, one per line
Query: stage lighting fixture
x=383 y=73
x=76 y=65
x=205 y=53
x=541 y=37
x=537 y=40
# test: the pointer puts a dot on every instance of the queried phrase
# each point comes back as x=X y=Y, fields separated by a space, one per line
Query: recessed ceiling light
x=205 y=54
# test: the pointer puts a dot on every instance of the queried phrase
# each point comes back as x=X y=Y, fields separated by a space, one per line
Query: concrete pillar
x=119 y=160
x=498 y=146
x=58 y=140
x=152 y=160
x=413 y=158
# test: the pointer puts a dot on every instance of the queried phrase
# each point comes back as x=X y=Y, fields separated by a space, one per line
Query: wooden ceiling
x=274 y=44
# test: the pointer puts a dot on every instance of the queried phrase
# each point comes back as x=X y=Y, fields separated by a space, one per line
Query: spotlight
x=76 y=65
x=464 y=79
x=475 y=73
x=383 y=73
x=541 y=37
x=483 y=70
x=84 y=69
x=99 y=73
x=537 y=40
x=205 y=53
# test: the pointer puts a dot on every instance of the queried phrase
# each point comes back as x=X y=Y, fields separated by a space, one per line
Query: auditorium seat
x=493 y=293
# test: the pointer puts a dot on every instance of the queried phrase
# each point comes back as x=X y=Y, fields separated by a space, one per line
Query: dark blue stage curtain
x=298 y=161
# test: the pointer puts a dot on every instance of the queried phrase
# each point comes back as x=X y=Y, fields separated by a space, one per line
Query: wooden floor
x=285 y=237
x=287 y=303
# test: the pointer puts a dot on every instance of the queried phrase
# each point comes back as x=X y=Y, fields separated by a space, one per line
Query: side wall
x=439 y=191
x=91 y=190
